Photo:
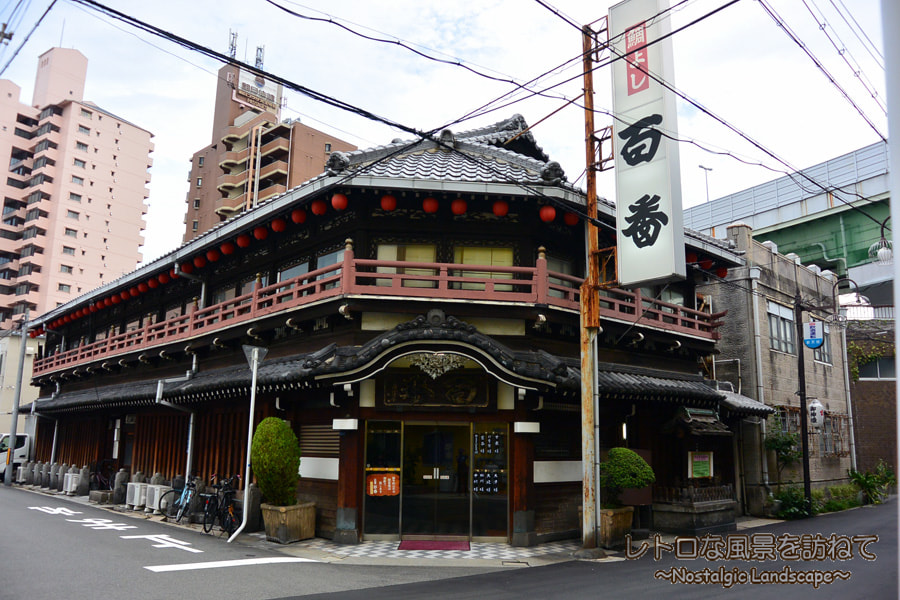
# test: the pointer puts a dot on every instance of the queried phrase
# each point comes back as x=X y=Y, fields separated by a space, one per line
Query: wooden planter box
x=286 y=524
x=615 y=524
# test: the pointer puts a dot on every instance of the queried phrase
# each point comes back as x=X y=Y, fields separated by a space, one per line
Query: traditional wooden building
x=419 y=303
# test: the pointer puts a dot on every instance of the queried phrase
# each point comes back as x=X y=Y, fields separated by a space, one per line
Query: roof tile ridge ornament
x=337 y=163
x=553 y=173
x=447 y=140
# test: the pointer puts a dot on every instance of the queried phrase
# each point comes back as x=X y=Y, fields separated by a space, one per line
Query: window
x=199 y=182
x=79 y=163
x=327 y=147
x=416 y=253
x=292 y=271
x=84 y=130
x=195 y=225
x=834 y=438
x=483 y=255
x=77 y=180
x=326 y=260
x=81 y=146
x=823 y=352
x=86 y=113
x=563 y=267
x=196 y=202
x=71 y=214
x=64 y=287
x=781 y=327
x=71 y=232
x=880 y=368
x=67 y=269
x=68 y=250
x=200 y=161
x=74 y=197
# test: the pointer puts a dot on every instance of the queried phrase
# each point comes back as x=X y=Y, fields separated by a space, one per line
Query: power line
x=780 y=22
x=27 y=37
x=871 y=48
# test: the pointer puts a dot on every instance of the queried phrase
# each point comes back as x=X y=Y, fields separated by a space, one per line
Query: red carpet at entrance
x=432 y=545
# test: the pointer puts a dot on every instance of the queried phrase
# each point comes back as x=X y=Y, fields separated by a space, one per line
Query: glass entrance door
x=436 y=479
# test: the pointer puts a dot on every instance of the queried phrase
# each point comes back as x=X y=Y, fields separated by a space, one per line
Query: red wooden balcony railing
x=360 y=278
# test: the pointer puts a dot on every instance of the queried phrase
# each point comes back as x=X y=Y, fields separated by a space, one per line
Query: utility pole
x=23 y=347
x=590 y=317
x=801 y=382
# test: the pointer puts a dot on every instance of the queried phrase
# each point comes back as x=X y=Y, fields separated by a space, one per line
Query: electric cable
x=27 y=37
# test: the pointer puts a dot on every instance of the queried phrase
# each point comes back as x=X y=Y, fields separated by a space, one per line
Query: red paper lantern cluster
x=388 y=202
x=339 y=202
x=547 y=213
x=430 y=205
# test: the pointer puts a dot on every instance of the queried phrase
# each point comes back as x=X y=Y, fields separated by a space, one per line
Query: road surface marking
x=218 y=564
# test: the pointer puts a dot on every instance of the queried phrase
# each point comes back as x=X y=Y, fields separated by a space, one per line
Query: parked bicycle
x=103 y=473
x=175 y=504
x=220 y=507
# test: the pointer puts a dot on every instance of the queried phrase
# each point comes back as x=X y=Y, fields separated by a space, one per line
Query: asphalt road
x=51 y=547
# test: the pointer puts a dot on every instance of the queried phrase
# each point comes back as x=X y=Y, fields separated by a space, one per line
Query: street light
x=706 y=171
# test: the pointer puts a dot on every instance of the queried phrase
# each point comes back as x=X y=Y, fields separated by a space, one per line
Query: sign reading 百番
x=650 y=243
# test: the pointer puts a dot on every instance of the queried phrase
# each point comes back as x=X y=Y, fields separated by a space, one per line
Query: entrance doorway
x=436 y=480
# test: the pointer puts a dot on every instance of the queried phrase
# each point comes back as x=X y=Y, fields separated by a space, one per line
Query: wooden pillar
x=348 y=514
x=522 y=490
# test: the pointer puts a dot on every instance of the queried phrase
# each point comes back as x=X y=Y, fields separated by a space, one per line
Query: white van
x=20 y=453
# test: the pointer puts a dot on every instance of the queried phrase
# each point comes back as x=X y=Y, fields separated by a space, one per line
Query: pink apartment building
x=73 y=198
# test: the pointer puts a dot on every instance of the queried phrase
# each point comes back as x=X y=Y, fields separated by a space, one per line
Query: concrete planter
x=287 y=524
x=615 y=524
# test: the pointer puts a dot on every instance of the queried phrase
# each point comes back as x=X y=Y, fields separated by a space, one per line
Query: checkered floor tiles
x=478 y=550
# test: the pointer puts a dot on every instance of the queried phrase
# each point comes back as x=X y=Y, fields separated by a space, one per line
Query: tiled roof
x=637 y=383
x=743 y=405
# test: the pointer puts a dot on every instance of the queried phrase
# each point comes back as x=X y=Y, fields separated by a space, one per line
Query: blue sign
x=813 y=334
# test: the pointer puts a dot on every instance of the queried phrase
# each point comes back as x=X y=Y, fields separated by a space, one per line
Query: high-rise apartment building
x=254 y=154
x=73 y=196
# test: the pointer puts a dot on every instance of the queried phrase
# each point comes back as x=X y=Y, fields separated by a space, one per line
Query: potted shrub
x=623 y=469
x=275 y=459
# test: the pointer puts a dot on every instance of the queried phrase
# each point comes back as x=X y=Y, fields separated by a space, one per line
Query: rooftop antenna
x=260 y=54
x=232 y=43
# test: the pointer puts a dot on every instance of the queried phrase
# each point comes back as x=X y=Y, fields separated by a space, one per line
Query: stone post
x=120 y=487
x=84 y=484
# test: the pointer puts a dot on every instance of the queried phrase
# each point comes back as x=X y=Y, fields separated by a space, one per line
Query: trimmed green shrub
x=818 y=500
x=624 y=469
x=875 y=486
x=793 y=504
x=275 y=458
x=841 y=497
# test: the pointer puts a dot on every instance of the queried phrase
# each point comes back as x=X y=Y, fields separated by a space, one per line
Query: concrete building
x=73 y=200
x=254 y=154
x=10 y=347
x=73 y=197
x=759 y=357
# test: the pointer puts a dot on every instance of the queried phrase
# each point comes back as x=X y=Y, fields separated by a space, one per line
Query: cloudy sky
x=738 y=63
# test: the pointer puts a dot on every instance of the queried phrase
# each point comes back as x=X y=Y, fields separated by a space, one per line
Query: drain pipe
x=755 y=274
x=192 y=414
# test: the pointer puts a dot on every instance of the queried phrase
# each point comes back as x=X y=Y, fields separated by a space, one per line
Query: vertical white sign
x=648 y=181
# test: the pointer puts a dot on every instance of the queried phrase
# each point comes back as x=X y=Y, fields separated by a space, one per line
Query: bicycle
x=176 y=503
x=102 y=474
x=220 y=506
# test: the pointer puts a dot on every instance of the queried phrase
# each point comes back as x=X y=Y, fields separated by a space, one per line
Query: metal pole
x=590 y=321
x=8 y=474
x=254 y=364
x=801 y=382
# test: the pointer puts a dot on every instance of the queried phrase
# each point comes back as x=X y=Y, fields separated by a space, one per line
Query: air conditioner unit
x=135 y=495
x=130 y=492
x=154 y=494
x=70 y=483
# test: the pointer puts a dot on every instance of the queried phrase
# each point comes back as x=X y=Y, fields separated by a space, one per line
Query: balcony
x=380 y=279
x=226 y=183
x=232 y=159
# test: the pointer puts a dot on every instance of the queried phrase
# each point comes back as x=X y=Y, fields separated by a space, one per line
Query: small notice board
x=700 y=465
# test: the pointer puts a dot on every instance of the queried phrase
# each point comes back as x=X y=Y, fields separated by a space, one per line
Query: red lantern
x=199 y=261
x=67 y=319
x=124 y=295
x=339 y=201
x=133 y=292
x=94 y=307
x=261 y=233
x=279 y=225
x=243 y=240
x=547 y=213
x=78 y=314
x=172 y=273
x=318 y=208
x=570 y=219
x=152 y=283
x=227 y=248
x=213 y=255
x=143 y=288
x=298 y=215
x=116 y=299
x=501 y=208
x=691 y=257
x=458 y=207
x=430 y=205
x=722 y=272
x=32 y=334
x=388 y=202
x=107 y=302
x=706 y=264
x=163 y=278
x=187 y=267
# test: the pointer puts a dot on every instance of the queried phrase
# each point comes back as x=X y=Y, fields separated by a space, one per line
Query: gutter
x=191 y=423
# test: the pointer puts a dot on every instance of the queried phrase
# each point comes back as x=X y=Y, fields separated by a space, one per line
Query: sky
x=737 y=63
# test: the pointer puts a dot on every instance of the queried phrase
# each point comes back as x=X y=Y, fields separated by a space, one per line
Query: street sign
x=813 y=334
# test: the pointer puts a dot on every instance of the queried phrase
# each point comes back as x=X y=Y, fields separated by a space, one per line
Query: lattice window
x=319 y=440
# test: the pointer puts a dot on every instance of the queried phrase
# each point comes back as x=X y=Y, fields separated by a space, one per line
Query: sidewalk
x=495 y=554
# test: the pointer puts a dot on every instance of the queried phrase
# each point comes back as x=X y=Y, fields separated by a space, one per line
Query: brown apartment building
x=254 y=155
